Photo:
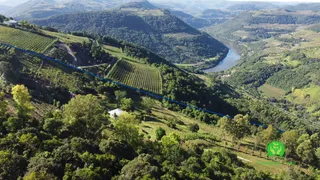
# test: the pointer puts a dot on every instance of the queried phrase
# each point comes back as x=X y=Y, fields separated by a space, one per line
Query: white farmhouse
x=11 y=22
x=116 y=113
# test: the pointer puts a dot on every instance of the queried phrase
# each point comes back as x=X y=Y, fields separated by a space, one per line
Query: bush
x=194 y=127
x=160 y=133
x=172 y=124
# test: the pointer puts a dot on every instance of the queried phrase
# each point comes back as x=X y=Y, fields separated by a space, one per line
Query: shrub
x=194 y=127
x=172 y=124
x=160 y=133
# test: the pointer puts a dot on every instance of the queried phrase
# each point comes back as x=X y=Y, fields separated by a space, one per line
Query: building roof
x=10 y=22
x=118 y=112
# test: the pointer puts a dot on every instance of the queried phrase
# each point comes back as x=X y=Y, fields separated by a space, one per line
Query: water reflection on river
x=230 y=61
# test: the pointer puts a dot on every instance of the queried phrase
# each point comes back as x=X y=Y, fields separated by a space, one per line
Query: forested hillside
x=280 y=58
x=154 y=29
x=54 y=121
x=304 y=7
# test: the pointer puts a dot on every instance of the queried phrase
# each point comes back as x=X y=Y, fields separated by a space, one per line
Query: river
x=228 y=62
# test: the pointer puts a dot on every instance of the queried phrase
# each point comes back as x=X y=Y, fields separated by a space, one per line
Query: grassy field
x=271 y=91
x=117 y=52
x=25 y=40
x=66 y=38
x=137 y=75
x=309 y=96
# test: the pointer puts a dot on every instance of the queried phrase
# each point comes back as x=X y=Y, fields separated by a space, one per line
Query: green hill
x=59 y=128
x=154 y=29
x=279 y=58
x=255 y=25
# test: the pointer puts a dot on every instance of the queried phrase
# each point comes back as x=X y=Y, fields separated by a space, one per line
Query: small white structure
x=116 y=113
x=11 y=22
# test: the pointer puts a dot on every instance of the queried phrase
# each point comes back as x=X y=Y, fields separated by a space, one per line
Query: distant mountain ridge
x=207 y=18
x=248 y=6
x=304 y=7
x=4 y=9
x=143 y=24
x=35 y=9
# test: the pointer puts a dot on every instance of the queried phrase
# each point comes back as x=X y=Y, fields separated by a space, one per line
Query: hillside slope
x=254 y=25
x=69 y=134
x=151 y=28
x=280 y=59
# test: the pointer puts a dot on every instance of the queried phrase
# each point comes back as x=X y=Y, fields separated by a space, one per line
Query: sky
x=11 y=2
x=16 y=2
x=281 y=0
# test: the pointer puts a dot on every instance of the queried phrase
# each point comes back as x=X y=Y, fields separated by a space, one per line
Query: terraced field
x=24 y=39
x=137 y=75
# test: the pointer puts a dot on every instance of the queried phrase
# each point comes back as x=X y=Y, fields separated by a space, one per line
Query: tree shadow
x=152 y=119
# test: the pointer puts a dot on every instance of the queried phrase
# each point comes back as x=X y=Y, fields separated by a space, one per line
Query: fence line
x=156 y=96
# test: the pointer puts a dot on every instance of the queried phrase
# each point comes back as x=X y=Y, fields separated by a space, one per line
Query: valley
x=288 y=46
x=154 y=29
x=228 y=62
x=141 y=90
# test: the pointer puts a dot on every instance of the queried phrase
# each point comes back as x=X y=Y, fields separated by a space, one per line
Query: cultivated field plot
x=137 y=75
x=24 y=39
x=271 y=91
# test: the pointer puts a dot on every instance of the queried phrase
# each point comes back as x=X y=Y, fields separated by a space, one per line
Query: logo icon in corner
x=276 y=148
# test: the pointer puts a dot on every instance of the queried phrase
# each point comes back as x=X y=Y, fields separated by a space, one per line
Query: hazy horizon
x=17 y=2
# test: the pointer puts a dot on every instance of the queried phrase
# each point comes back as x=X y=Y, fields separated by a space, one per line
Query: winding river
x=228 y=62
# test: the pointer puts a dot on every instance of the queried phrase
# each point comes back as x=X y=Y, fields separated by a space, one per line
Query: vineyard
x=3 y=47
x=137 y=75
x=24 y=39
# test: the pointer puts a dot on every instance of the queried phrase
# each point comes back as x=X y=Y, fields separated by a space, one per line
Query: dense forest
x=78 y=140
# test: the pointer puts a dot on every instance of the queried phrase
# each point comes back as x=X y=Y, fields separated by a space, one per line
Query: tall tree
x=269 y=134
x=23 y=100
x=171 y=148
x=126 y=128
x=120 y=95
x=160 y=132
x=84 y=115
x=289 y=138
x=127 y=104
x=11 y=165
x=147 y=104
x=238 y=128
x=3 y=106
x=315 y=139
x=306 y=152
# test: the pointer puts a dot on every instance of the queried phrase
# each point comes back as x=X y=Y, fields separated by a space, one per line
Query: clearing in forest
x=271 y=91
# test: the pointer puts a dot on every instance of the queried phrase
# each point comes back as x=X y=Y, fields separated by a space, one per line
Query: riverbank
x=206 y=64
